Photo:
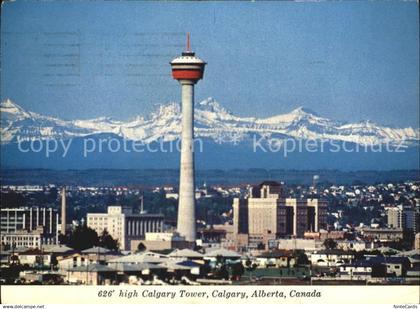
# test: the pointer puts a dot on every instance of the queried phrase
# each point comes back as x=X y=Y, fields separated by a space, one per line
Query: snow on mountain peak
x=211 y=120
x=10 y=111
x=211 y=105
x=295 y=116
x=166 y=111
x=8 y=104
x=10 y=107
x=303 y=111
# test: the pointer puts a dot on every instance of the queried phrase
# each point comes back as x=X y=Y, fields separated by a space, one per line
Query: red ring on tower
x=187 y=74
x=188 y=66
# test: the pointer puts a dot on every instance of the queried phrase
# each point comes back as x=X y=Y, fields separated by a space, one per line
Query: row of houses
x=102 y=266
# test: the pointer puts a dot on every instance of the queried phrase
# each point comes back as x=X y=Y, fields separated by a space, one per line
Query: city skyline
x=362 y=234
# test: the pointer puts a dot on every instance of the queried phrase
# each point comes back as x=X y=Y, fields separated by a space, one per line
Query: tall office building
x=266 y=215
x=403 y=217
x=32 y=220
x=124 y=225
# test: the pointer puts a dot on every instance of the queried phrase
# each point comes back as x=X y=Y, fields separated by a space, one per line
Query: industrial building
x=23 y=238
x=31 y=225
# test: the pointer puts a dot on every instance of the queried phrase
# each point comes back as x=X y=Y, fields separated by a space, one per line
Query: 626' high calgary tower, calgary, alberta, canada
x=188 y=70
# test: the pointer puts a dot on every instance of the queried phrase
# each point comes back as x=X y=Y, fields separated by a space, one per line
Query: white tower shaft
x=186 y=206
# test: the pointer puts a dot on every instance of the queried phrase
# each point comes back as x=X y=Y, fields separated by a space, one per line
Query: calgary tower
x=188 y=70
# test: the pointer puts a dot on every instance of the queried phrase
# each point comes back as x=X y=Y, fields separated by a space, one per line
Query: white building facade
x=122 y=224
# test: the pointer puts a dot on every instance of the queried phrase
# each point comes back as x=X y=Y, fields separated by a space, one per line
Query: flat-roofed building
x=13 y=220
x=23 y=238
x=401 y=217
x=297 y=244
x=383 y=234
x=266 y=214
x=161 y=241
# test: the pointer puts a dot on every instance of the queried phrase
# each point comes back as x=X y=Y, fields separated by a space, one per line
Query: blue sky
x=345 y=60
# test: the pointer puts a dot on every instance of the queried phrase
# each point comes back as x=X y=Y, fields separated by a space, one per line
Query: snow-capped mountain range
x=212 y=121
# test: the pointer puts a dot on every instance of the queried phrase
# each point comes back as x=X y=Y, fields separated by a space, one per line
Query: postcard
x=210 y=152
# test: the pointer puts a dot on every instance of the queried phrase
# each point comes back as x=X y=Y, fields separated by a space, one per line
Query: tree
x=13 y=199
x=198 y=248
x=83 y=238
x=220 y=260
x=54 y=261
x=14 y=260
x=106 y=241
x=63 y=239
x=223 y=272
x=260 y=246
x=301 y=258
x=330 y=244
x=205 y=269
x=250 y=267
x=237 y=270
x=141 y=247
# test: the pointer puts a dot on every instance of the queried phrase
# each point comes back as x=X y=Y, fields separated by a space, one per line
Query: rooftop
x=143 y=257
x=188 y=253
x=96 y=250
x=222 y=252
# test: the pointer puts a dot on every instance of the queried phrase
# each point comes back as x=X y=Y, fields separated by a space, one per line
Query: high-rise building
x=188 y=70
x=43 y=221
x=124 y=225
x=417 y=241
x=266 y=214
x=402 y=217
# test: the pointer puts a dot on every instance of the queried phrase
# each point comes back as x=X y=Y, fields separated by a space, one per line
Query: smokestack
x=63 y=211
x=141 y=204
